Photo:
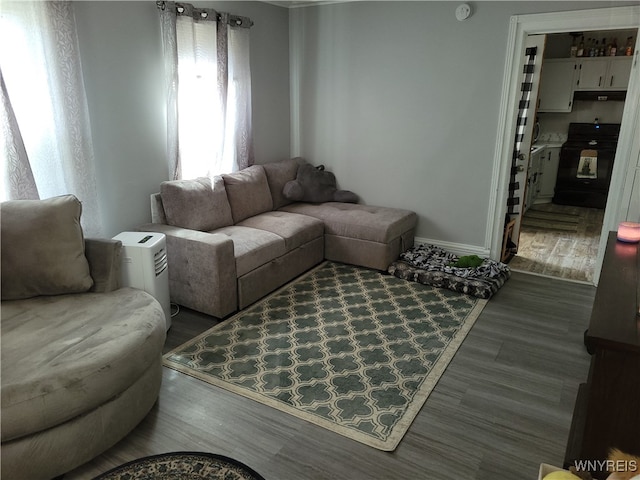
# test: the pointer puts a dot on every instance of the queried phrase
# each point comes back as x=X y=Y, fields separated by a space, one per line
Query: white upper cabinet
x=603 y=73
x=619 y=73
x=556 y=85
x=592 y=73
x=562 y=76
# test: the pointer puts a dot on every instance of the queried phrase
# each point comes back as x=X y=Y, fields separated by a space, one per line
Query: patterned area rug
x=343 y=347
x=182 y=466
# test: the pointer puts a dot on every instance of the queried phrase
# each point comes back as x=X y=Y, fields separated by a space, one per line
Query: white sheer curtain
x=17 y=178
x=46 y=101
x=208 y=86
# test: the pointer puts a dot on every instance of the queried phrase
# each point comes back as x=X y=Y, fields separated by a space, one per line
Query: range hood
x=600 y=95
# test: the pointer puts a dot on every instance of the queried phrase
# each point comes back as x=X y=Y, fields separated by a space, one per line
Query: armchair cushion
x=195 y=204
x=42 y=248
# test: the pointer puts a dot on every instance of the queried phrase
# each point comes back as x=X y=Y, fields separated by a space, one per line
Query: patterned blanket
x=432 y=265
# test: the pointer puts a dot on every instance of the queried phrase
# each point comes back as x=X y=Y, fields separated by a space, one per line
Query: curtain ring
x=204 y=14
x=180 y=9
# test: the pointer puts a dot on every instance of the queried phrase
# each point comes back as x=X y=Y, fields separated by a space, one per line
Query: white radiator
x=144 y=266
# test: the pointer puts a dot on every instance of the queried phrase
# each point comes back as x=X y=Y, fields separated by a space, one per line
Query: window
x=208 y=90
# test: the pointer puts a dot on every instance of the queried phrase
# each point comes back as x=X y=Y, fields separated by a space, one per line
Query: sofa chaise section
x=362 y=235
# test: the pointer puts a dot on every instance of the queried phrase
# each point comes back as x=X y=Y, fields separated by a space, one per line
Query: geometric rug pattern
x=346 y=348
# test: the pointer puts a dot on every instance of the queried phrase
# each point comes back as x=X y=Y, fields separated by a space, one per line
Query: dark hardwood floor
x=502 y=407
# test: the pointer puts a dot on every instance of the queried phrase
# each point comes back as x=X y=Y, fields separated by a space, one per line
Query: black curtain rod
x=233 y=20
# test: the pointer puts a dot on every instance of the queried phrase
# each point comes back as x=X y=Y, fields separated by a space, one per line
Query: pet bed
x=431 y=265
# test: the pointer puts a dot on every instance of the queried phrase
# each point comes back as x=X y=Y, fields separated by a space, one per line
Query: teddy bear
x=316 y=185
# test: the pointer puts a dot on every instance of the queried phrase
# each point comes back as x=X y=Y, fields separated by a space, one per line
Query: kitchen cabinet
x=534 y=176
x=591 y=73
x=550 y=162
x=603 y=73
x=619 y=73
x=557 y=84
x=562 y=76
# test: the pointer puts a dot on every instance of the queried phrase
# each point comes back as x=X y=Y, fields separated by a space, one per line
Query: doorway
x=559 y=241
x=628 y=151
x=559 y=237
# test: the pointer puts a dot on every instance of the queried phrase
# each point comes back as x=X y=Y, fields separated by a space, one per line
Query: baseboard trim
x=457 y=248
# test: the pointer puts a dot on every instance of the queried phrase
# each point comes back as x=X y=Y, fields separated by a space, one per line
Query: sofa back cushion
x=248 y=192
x=196 y=204
x=42 y=248
x=278 y=174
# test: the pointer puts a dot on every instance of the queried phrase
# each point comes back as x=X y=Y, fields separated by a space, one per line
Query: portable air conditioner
x=144 y=266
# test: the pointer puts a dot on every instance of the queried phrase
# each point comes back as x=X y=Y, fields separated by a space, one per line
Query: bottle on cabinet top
x=628 y=50
x=580 y=51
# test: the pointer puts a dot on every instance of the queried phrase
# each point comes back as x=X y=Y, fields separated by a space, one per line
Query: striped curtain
x=524 y=111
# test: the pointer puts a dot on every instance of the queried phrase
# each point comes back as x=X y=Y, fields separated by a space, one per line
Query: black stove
x=586 y=163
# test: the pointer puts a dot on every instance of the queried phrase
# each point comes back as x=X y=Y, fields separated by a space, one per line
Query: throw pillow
x=195 y=204
x=43 y=250
x=278 y=174
x=316 y=185
x=248 y=192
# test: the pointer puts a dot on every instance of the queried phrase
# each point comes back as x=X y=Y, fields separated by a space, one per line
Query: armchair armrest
x=104 y=257
x=202 y=269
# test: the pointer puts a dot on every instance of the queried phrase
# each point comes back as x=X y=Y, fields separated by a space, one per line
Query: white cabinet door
x=618 y=73
x=533 y=178
x=551 y=161
x=556 y=85
x=592 y=73
x=603 y=73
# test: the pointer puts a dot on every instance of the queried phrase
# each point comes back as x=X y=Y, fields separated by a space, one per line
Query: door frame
x=627 y=152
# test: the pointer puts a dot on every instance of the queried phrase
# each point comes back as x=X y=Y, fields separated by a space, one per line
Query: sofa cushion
x=295 y=229
x=42 y=248
x=252 y=247
x=248 y=192
x=65 y=355
x=364 y=222
x=278 y=174
x=196 y=204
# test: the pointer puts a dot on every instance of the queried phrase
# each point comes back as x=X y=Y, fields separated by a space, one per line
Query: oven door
x=584 y=175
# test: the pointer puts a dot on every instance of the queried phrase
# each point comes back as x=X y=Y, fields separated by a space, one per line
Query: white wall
x=584 y=112
x=401 y=101
x=121 y=51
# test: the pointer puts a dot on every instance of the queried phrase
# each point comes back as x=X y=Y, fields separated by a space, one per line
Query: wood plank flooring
x=502 y=407
x=557 y=253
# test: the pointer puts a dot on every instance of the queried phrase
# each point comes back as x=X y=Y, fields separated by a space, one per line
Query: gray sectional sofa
x=234 y=241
